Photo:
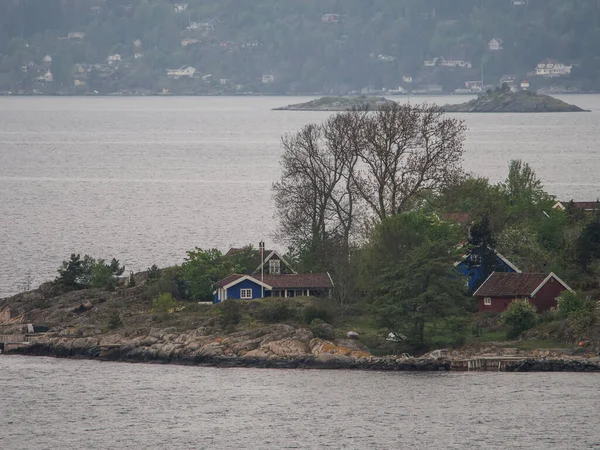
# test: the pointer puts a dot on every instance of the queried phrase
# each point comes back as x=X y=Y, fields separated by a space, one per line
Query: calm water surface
x=66 y=404
x=145 y=179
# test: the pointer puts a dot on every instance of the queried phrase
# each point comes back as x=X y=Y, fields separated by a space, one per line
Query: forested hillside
x=286 y=46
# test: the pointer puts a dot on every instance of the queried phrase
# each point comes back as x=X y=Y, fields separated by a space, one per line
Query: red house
x=502 y=288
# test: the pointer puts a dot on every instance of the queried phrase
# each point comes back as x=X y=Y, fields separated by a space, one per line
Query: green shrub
x=231 y=312
x=274 y=312
x=322 y=330
x=569 y=303
x=312 y=312
x=153 y=273
x=114 y=321
x=169 y=280
x=584 y=320
x=518 y=317
x=164 y=302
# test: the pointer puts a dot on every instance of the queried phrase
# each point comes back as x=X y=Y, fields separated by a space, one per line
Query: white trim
x=507 y=262
x=245 y=291
x=273 y=253
x=330 y=279
x=487 y=301
x=247 y=277
x=486 y=280
x=502 y=258
x=550 y=275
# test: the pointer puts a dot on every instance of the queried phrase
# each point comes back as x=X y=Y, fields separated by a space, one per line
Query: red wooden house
x=502 y=288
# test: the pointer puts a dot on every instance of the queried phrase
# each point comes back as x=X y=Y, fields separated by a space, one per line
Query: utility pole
x=261 y=246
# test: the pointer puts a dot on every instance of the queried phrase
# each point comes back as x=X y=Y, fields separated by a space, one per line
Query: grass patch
x=537 y=345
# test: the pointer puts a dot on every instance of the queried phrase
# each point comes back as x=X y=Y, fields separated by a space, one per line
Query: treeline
x=380 y=200
x=361 y=43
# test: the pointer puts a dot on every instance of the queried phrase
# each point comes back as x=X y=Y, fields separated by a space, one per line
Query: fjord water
x=145 y=179
x=48 y=403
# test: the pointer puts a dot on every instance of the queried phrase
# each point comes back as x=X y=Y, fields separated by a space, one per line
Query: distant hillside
x=284 y=46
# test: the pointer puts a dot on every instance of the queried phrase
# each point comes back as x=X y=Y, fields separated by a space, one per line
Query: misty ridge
x=284 y=46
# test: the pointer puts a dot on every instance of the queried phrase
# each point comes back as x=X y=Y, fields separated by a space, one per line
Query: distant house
x=407 y=79
x=519 y=2
x=46 y=78
x=330 y=18
x=495 y=45
x=76 y=35
x=137 y=44
x=453 y=63
x=183 y=71
x=471 y=266
x=268 y=78
x=96 y=9
x=524 y=85
x=250 y=287
x=138 y=55
x=550 y=68
x=223 y=81
x=113 y=59
x=180 y=7
x=583 y=206
x=501 y=289
x=79 y=83
x=272 y=263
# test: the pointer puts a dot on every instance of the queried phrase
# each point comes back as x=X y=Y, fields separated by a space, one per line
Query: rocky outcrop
x=554 y=365
x=276 y=346
x=513 y=102
x=340 y=104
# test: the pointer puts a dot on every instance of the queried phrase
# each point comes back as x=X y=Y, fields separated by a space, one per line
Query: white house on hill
x=183 y=71
x=552 y=68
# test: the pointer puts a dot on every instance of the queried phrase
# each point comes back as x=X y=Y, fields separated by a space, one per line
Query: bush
x=231 y=312
x=322 y=330
x=569 y=303
x=164 y=302
x=153 y=273
x=312 y=312
x=584 y=320
x=77 y=273
x=169 y=280
x=519 y=316
x=274 y=312
x=114 y=321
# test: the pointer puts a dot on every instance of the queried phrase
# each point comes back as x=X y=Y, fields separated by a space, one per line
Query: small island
x=503 y=101
x=340 y=104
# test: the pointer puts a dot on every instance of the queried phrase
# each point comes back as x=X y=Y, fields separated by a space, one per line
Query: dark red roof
x=458 y=218
x=287 y=281
x=586 y=206
x=508 y=284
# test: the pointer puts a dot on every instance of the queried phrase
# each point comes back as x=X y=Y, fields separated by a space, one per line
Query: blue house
x=250 y=287
x=472 y=268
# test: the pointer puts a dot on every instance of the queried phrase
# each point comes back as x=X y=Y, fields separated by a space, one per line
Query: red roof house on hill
x=502 y=288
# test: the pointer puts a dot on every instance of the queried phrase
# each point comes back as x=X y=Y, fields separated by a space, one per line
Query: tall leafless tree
x=407 y=150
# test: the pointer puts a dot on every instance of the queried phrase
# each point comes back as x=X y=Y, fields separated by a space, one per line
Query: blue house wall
x=475 y=273
x=234 y=292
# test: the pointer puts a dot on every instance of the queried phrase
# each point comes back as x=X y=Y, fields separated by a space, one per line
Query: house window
x=487 y=301
x=299 y=293
x=245 y=293
x=274 y=266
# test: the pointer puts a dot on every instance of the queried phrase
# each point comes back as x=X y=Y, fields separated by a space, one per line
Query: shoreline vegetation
x=336 y=104
x=379 y=201
x=504 y=101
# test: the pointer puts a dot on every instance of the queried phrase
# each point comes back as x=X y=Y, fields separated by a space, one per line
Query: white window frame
x=487 y=301
x=275 y=267
x=299 y=293
x=244 y=294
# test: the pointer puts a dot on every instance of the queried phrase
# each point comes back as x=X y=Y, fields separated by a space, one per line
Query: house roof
x=286 y=281
x=460 y=218
x=508 y=284
x=586 y=206
x=267 y=255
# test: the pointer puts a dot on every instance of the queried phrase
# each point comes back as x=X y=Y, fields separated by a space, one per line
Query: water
x=48 y=403
x=145 y=179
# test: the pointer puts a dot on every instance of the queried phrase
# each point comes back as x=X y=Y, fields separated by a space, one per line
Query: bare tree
x=316 y=197
x=405 y=151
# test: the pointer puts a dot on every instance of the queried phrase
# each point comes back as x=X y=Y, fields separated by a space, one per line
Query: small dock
x=484 y=363
x=12 y=341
